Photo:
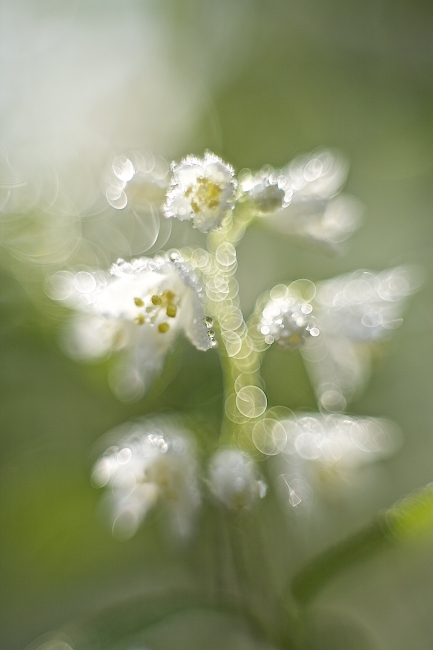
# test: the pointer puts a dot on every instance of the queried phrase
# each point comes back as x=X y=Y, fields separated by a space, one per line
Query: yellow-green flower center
x=152 y=308
x=206 y=195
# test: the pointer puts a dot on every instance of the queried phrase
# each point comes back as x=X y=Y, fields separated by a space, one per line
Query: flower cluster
x=137 y=310
x=154 y=460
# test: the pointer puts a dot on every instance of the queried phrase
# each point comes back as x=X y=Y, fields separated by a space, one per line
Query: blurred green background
x=256 y=82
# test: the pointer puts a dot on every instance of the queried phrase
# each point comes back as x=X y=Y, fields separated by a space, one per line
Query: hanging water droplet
x=174 y=255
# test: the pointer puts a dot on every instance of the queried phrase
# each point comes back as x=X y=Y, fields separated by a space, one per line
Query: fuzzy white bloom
x=202 y=191
x=301 y=199
x=323 y=451
x=265 y=189
x=354 y=312
x=140 y=307
x=150 y=461
x=287 y=319
x=233 y=479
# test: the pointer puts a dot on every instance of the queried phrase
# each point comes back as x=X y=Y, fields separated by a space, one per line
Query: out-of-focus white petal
x=301 y=200
x=353 y=312
x=339 y=369
x=136 y=370
x=320 y=174
x=366 y=306
x=324 y=451
x=88 y=337
x=319 y=223
x=149 y=461
x=233 y=479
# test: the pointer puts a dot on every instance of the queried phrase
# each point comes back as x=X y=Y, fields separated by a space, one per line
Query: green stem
x=234 y=228
x=406 y=520
x=240 y=363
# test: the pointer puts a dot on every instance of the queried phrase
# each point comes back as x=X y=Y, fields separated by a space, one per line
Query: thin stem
x=244 y=400
x=404 y=521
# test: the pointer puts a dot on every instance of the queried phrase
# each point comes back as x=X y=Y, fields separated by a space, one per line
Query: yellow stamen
x=169 y=295
x=205 y=195
x=139 y=302
x=171 y=311
x=156 y=300
x=163 y=328
x=140 y=320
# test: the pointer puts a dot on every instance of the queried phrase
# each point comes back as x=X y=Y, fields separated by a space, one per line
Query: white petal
x=318 y=223
x=149 y=460
x=353 y=312
x=89 y=337
x=193 y=322
x=187 y=174
x=339 y=369
x=320 y=174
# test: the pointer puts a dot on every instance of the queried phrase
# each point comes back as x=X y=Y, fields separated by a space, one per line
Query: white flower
x=140 y=308
x=265 y=190
x=150 y=461
x=202 y=191
x=287 y=318
x=233 y=479
x=325 y=450
x=301 y=200
x=354 y=312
